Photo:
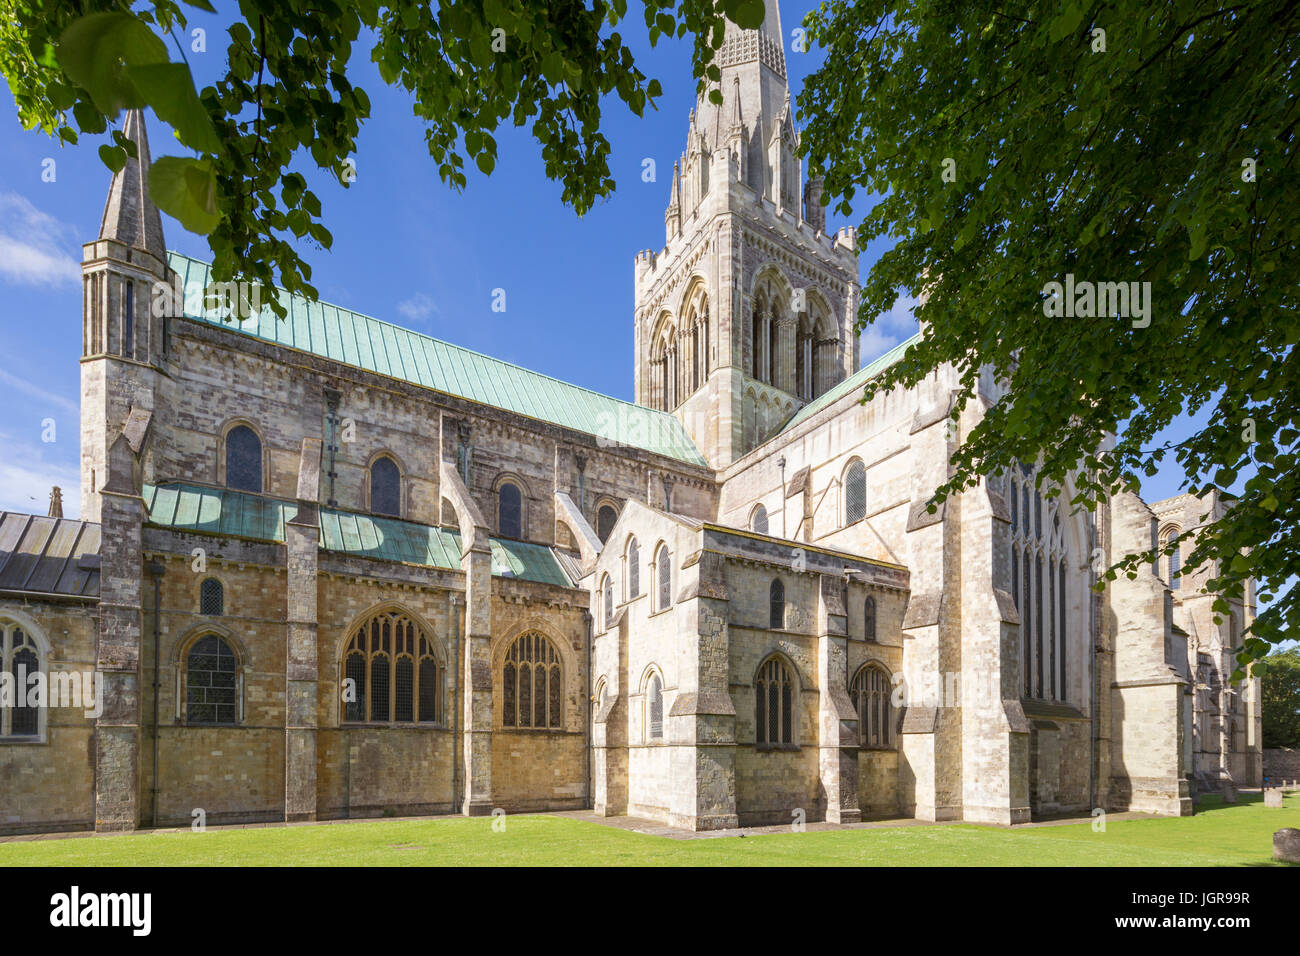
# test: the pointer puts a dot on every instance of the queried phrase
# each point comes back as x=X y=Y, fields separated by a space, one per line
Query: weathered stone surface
x=1286 y=845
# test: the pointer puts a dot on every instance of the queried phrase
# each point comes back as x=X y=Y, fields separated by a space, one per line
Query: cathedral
x=327 y=567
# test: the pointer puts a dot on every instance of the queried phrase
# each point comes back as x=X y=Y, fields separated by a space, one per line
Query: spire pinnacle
x=130 y=217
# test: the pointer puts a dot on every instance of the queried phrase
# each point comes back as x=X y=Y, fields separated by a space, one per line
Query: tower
x=747 y=313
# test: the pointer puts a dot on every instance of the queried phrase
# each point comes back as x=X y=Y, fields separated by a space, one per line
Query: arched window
x=654 y=706
x=212 y=597
x=633 y=569
x=211 y=682
x=664 y=572
x=607 y=597
x=532 y=685
x=392 y=673
x=128 y=324
x=510 y=511
x=855 y=493
x=871 y=692
x=776 y=605
x=758 y=521
x=869 y=619
x=385 y=487
x=1175 y=557
x=243 y=459
x=20 y=661
x=774 y=701
x=605 y=519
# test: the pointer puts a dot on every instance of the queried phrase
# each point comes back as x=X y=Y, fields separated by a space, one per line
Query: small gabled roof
x=42 y=555
x=341 y=335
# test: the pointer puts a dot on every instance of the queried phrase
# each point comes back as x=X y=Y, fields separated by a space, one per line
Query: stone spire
x=130 y=217
x=56 y=502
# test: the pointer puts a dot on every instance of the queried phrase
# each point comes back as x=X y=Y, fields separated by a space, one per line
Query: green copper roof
x=354 y=339
x=220 y=511
x=854 y=382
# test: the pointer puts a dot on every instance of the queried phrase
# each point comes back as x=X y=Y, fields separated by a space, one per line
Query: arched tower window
x=211 y=682
x=855 y=492
x=664 y=578
x=392 y=673
x=243 y=459
x=605 y=518
x=212 y=597
x=532 y=685
x=776 y=605
x=607 y=597
x=871 y=692
x=654 y=708
x=774 y=702
x=633 y=575
x=128 y=321
x=869 y=618
x=21 y=657
x=510 y=511
x=385 y=487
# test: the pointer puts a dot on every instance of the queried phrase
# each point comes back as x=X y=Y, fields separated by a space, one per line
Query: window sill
x=766 y=748
x=22 y=741
x=662 y=610
x=388 y=725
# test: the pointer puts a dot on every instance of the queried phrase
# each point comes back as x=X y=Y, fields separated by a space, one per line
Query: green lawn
x=1218 y=835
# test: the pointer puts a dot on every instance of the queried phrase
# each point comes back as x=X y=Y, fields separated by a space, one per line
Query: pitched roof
x=854 y=382
x=44 y=555
x=221 y=511
x=342 y=335
x=130 y=216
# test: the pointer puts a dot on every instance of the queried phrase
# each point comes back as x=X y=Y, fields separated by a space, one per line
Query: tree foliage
x=1280 y=699
x=285 y=97
x=1137 y=142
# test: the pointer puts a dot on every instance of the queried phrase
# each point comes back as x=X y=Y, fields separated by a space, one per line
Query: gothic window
x=605 y=518
x=128 y=321
x=243 y=459
x=664 y=578
x=212 y=597
x=855 y=492
x=1175 y=565
x=607 y=598
x=211 y=682
x=1040 y=554
x=21 y=658
x=510 y=511
x=774 y=700
x=1233 y=635
x=869 y=619
x=532 y=685
x=758 y=521
x=776 y=605
x=391 y=673
x=385 y=487
x=655 y=709
x=633 y=575
x=871 y=692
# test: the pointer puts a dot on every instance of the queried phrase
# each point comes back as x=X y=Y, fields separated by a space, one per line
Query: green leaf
x=1065 y=23
x=114 y=157
x=186 y=189
x=95 y=50
x=169 y=89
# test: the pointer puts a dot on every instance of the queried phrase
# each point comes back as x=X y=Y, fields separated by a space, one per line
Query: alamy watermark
x=1083 y=299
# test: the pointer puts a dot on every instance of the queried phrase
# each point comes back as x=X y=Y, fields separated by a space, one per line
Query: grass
x=1219 y=835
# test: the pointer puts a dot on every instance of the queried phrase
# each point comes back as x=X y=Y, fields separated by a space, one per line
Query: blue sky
x=406 y=249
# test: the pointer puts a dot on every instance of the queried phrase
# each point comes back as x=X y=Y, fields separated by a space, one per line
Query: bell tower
x=747 y=312
x=123 y=340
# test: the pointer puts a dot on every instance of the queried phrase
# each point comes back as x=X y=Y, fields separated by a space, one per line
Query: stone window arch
x=872 y=691
x=384 y=486
x=776 y=605
x=606 y=517
x=855 y=491
x=758 y=520
x=632 y=569
x=869 y=618
x=212 y=682
x=1174 y=559
x=24 y=652
x=510 y=508
x=663 y=578
x=391 y=671
x=212 y=598
x=243 y=457
x=532 y=684
x=653 y=699
x=607 y=599
x=775 y=700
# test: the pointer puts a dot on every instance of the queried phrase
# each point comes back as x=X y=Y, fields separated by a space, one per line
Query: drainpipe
x=781 y=464
x=1092 y=669
x=156 y=569
x=591 y=706
x=457 y=744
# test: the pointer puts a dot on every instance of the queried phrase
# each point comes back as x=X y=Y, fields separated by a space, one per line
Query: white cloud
x=418 y=308
x=27 y=475
x=889 y=329
x=18 y=383
x=34 y=245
